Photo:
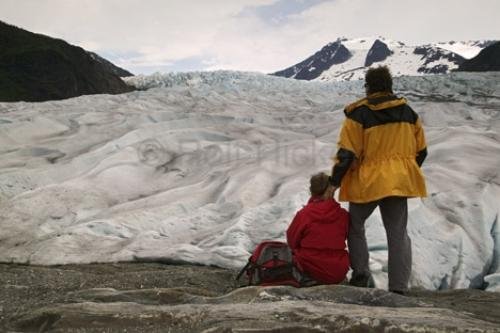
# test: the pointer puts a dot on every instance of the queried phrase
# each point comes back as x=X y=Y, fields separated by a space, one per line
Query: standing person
x=317 y=235
x=381 y=149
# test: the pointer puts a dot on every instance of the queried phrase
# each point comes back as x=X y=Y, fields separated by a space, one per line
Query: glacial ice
x=200 y=167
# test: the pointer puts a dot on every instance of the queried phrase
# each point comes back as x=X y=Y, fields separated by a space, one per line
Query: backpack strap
x=243 y=270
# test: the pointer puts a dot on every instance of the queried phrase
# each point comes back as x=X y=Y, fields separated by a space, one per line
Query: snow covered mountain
x=487 y=60
x=201 y=167
x=468 y=49
x=348 y=59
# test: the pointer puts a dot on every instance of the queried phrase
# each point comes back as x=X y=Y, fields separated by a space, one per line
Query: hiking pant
x=394 y=211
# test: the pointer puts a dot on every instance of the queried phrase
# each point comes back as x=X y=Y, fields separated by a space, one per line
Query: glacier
x=201 y=167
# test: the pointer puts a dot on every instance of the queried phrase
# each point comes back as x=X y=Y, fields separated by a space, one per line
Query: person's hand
x=330 y=191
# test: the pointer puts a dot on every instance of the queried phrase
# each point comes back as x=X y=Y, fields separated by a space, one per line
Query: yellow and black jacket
x=381 y=148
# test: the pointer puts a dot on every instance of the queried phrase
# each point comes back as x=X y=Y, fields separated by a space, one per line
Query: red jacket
x=317 y=238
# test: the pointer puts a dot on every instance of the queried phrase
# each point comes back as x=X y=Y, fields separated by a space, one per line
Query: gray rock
x=254 y=316
x=168 y=298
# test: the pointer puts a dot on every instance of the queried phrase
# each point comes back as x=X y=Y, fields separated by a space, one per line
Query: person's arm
x=350 y=147
x=294 y=232
x=343 y=161
x=421 y=144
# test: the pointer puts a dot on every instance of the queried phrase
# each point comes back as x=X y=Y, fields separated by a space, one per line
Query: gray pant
x=394 y=211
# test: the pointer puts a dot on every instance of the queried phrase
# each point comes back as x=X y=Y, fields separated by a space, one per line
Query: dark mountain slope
x=487 y=60
x=312 y=67
x=378 y=52
x=35 y=67
x=109 y=66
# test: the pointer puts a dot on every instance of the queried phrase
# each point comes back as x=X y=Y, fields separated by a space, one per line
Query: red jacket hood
x=322 y=211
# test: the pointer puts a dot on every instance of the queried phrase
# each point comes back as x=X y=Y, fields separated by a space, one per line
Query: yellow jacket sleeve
x=351 y=137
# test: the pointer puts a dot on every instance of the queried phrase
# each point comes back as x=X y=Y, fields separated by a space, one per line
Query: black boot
x=399 y=292
x=364 y=280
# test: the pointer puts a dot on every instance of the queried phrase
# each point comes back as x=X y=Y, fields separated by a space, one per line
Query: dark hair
x=378 y=79
x=319 y=183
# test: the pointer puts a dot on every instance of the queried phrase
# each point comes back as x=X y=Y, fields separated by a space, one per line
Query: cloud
x=279 y=12
x=301 y=34
x=257 y=35
x=413 y=21
x=159 y=31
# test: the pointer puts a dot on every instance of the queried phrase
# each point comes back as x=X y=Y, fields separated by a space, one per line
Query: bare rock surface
x=183 y=298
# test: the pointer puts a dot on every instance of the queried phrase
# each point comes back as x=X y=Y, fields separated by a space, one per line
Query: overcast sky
x=145 y=36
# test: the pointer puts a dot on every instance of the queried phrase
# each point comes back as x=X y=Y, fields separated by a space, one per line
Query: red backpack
x=271 y=264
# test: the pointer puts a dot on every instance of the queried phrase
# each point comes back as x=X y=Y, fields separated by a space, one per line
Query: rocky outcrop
x=196 y=299
x=251 y=309
x=35 y=67
x=378 y=52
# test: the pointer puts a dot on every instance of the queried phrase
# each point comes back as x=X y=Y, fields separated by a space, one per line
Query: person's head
x=319 y=184
x=378 y=79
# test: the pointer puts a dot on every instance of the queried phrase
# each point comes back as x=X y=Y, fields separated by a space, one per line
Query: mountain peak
x=309 y=69
x=378 y=52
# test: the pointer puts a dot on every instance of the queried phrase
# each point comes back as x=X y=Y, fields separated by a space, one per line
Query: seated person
x=318 y=233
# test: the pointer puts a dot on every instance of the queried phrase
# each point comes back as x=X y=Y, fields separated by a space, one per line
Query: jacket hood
x=322 y=211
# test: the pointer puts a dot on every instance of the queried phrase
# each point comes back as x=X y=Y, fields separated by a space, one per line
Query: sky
x=146 y=36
